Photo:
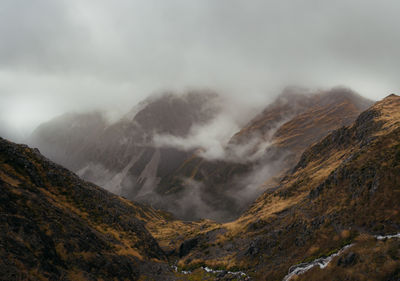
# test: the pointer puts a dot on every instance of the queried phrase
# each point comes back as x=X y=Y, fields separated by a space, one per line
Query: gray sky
x=58 y=56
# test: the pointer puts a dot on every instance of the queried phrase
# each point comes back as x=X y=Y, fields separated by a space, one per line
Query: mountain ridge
x=345 y=189
x=276 y=137
x=54 y=225
x=338 y=201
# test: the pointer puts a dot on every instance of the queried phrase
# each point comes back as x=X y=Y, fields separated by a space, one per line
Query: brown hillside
x=54 y=226
x=345 y=186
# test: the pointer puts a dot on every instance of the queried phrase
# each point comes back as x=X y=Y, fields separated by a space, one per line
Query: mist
x=210 y=140
x=59 y=56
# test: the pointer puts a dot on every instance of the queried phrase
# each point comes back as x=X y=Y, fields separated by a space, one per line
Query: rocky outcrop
x=55 y=226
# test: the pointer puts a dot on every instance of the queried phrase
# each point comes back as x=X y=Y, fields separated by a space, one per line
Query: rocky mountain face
x=263 y=150
x=122 y=157
x=55 y=226
x=332 y=210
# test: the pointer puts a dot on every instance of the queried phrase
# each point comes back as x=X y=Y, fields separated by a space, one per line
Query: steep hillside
x=344 y=190
x=295 y=104
x=54 y=226
x=260 y=153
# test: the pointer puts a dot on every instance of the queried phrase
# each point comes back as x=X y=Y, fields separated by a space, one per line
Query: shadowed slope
x=56 y=226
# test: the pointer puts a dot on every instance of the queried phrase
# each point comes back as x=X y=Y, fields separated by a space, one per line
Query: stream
x=383 y=237
x=210 y=270
x=295 y=269
x=323 y=262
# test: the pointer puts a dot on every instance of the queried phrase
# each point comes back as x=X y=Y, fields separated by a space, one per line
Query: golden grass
x=390 y=113
x=61 y=251
x=166 y=231
x=76 y=276
x=128 y=251
x=227 y=262
x=11 y=181
x=61 y=202
x=127 y=240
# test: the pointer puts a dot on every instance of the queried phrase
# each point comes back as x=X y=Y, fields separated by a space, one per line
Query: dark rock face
x=348 y=260
x=395 y=276
x=253 y=250
x=55 y=226
x=187 y=246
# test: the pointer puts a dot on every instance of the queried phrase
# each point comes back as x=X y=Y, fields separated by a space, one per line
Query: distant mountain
x=55 y=226
x=122 y=156
x=67 y=139
x=263 y=150
x=334 y=216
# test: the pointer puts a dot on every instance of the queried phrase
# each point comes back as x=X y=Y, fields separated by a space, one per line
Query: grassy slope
x=346 y=185
x=54 y=225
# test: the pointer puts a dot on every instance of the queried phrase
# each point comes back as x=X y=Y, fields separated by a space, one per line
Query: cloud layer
x=58 y=56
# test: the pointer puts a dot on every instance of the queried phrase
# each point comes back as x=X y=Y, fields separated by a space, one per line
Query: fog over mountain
x=188 y=154
x=199 y=140
x=61 y=56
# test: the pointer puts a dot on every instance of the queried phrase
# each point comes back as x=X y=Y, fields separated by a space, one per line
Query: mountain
x=333 y=216
x=336 y=209
x=121 y=156
x=68 y=138
x=263 y=150
x=55 y=226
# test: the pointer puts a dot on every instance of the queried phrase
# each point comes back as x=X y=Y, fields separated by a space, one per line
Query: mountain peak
x=393 y=95
x=389 y=111
x=390 y=99
x=171 y=113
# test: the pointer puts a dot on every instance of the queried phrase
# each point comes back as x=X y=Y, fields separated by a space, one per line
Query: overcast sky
x=58 y=56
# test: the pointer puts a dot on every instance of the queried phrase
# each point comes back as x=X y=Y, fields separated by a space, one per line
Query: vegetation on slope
x=344 y=186
x=56 y=226
x=344 y=189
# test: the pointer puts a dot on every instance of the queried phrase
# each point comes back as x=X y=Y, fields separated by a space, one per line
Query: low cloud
x=254 y=183
x=111 y=54
x=211 y=141
x=208 y=140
